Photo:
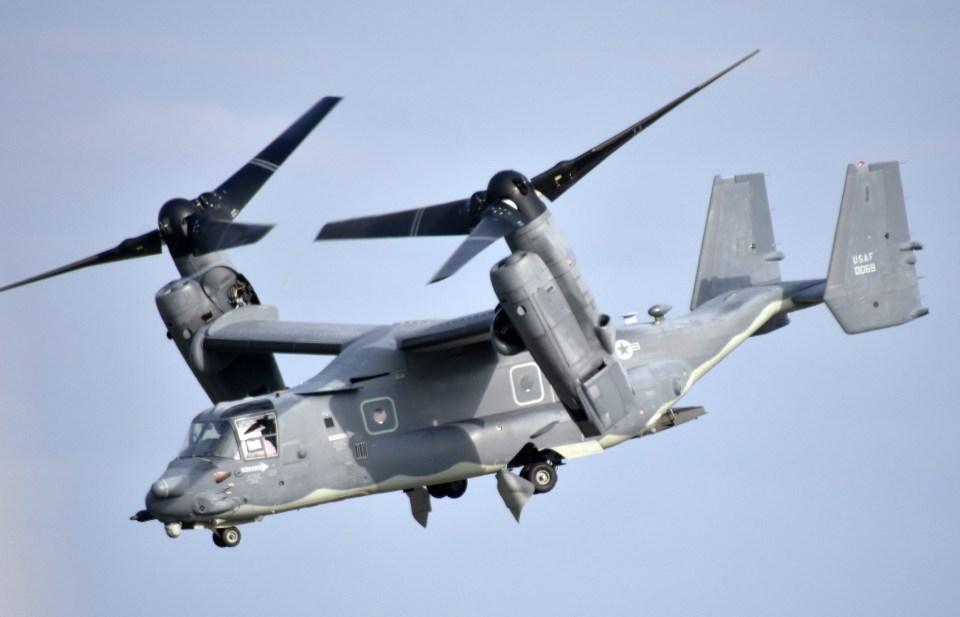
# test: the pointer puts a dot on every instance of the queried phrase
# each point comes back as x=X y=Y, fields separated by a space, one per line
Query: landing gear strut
x=227 y=537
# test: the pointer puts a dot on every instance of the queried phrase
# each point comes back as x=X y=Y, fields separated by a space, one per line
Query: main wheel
x=456 y=489
x=542 y=475
x=228 y=537
x=437 y=491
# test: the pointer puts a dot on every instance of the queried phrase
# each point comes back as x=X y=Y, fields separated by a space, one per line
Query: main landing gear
x=536 y=476
x=538 y=467
x=453 y=490
x=228 y=537
x=541 y=474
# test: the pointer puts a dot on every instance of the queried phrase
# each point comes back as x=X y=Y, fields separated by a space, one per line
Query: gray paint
x=738 y=248
x=872 y=281
x=423 y=404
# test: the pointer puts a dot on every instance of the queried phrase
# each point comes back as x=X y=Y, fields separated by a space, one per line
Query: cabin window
x=379 y=415
x=526 y=383
x=258 y=436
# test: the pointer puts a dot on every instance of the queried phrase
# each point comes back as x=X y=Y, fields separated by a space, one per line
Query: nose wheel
x=227 y=537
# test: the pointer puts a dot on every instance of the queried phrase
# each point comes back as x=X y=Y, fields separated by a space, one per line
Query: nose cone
x=190 y=491
x=169 y=498
x=167 y=507
x=172 y=486
x=161 y=509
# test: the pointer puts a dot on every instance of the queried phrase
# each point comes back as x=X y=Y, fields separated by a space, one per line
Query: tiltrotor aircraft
x=542 y=379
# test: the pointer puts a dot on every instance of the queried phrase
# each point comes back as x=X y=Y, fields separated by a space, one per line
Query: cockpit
x=210 y=440
x=248 y=430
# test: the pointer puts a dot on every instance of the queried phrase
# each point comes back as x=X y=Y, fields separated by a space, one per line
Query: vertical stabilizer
x=738 y=248
x=872 y=282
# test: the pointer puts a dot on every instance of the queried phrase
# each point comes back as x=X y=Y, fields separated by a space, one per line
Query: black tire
x=456 y=489
x=437 y=490
x=217 y=540
x=229 y=536
x=542 y=475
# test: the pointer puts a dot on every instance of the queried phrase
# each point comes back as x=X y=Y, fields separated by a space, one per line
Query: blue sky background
x=824 y=480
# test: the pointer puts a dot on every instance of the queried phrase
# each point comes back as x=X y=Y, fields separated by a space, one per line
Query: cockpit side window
x=258 y=436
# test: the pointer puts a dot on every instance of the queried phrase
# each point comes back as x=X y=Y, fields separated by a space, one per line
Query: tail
x=738 y=249
x=872 y=282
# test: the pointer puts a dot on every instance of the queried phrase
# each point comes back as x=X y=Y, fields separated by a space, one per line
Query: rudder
x=872 y=281
x=738 y=248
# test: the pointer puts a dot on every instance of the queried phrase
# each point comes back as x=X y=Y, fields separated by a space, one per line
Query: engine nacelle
x=589 y=382
x=189 y=304
x=544 y=321
x=543 y=237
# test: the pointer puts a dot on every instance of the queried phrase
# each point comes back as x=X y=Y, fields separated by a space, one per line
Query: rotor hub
x=174 y=223
x=513 y=188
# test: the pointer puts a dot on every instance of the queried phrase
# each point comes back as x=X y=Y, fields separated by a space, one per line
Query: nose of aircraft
x=188 y=493
x=172 y=486
x=168 y=499
x=171 y=497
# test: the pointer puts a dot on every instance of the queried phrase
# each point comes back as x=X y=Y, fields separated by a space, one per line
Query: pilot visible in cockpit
x=258 y=436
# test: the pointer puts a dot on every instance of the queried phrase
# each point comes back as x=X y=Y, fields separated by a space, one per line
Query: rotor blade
x=140 y=246
x=220 y=235
x=447 y=219
x=243 y=185
x=495 y=224
x=556 y=180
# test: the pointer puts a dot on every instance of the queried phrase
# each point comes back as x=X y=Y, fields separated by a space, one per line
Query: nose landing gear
x=228 y=537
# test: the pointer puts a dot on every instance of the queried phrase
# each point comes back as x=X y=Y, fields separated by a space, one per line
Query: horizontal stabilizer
x=738 y=249
x=872 y=282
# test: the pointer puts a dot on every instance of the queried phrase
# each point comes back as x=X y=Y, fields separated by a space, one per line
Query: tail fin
x=872 y=282
x=738 y=249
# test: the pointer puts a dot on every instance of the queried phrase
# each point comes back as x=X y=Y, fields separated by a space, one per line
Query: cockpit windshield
x=255 y=436
x=210 y=440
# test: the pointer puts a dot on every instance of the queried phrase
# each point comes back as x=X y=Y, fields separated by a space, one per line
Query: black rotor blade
x=556 y=180
x=215 y=230
x=149 y=243
x=448 y=219
x=497 y=222
x=220 y=235
x=453 y=218
x=243 y=185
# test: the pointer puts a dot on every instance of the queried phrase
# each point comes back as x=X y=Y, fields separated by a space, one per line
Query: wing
x=257 y=329
x=449 y=334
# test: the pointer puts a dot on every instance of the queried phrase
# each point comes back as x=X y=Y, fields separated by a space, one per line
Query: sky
x=824 y=479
